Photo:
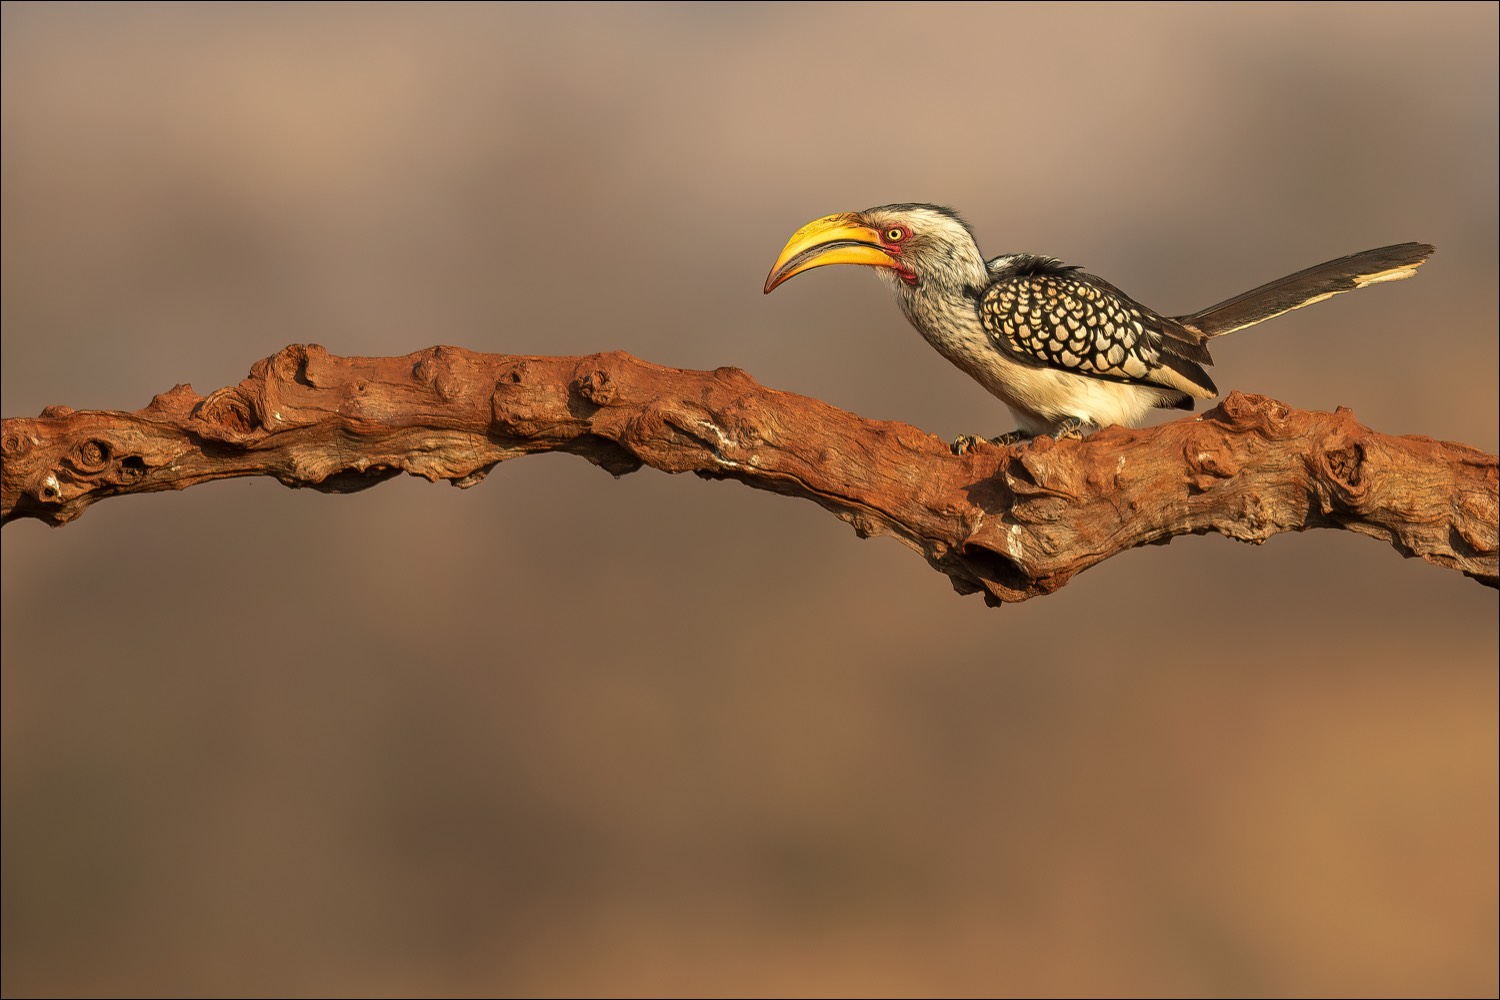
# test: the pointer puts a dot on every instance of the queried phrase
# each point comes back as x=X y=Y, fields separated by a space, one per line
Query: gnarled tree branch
x=1011 y=523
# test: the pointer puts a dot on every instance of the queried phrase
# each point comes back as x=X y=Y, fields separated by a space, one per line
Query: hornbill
x=1066 y=351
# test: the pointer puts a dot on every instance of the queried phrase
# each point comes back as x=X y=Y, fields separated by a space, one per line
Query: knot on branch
x=1247 y=411
x=229 y=415
x=1207 y=465
x=594 y=386
x=1343 y=466
x=242 y=414
x=445 y=371
x=53 y=461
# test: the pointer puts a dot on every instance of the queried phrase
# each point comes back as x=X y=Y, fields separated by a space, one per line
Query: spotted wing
x=1044 y=313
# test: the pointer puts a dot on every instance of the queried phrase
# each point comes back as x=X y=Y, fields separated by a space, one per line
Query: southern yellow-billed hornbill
x=1066 y=351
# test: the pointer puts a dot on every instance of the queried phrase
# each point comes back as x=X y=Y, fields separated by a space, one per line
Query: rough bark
x=1011 y=523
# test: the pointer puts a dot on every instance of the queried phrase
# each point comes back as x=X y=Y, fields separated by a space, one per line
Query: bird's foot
x=964 y=442
x=1070 y=429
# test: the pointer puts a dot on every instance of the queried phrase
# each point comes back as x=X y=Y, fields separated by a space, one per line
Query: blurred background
x=563 y=734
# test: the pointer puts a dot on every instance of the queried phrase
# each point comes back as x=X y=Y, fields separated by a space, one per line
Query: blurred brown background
x=565 y=734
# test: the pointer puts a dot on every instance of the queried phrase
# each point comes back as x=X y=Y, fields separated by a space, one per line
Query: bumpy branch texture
x=1011 y=523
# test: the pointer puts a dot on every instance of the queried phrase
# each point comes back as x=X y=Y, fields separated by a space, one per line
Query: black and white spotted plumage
x=1061 y=348
x=1041 y=310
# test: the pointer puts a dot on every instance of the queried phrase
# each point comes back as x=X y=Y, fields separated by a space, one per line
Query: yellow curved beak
x=833 y=239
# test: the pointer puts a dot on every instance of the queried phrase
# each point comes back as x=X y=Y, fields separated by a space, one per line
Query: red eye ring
x=895 y=234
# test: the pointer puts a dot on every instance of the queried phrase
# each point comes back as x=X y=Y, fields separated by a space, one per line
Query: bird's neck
x=943 y=295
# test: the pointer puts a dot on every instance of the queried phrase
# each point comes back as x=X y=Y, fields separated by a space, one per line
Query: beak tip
x=834 y=239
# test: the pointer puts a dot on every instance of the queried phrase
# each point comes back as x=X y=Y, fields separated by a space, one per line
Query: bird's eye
x=895 y=234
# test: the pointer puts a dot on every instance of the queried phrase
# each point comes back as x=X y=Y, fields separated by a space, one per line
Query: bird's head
x=912 y=244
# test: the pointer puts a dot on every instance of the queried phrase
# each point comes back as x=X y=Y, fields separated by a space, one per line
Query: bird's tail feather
x=1306 y=287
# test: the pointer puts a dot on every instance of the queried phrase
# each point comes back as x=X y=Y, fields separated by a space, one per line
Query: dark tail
x=1306 y=287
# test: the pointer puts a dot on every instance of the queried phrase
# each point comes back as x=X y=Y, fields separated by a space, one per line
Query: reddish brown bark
x=1011 y=523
